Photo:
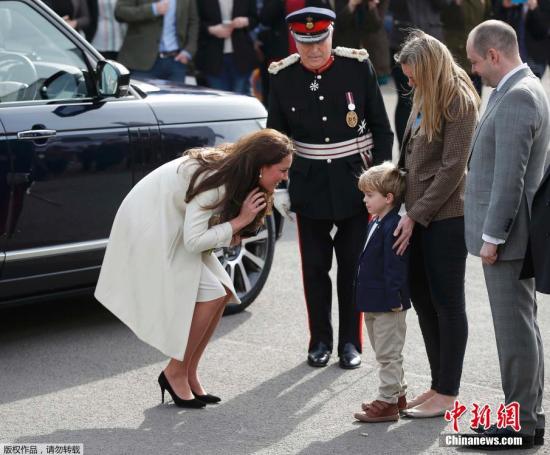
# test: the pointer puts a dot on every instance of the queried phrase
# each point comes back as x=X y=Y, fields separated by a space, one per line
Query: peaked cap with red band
x=310 y=25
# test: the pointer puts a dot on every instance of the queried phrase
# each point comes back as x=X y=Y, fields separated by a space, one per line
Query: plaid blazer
x=436 y=170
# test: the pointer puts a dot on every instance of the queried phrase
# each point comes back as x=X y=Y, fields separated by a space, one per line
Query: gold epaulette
x=349 y=52
x=275 y=67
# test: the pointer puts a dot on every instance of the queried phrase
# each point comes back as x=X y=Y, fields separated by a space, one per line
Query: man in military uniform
x=330 y=104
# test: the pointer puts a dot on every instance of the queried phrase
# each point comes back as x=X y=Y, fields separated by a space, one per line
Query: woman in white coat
x=159 y=275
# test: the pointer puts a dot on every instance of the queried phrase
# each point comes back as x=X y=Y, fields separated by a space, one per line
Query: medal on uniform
x=351 y=116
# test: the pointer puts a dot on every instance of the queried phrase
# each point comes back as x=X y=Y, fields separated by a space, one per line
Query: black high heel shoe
x=208 y=399
x=165 y=385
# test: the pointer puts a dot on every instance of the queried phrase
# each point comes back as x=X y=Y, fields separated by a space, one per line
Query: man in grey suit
x=506 y=165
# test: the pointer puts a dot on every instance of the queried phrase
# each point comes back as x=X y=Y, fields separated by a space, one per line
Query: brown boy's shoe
x=379 y=411
x=401 y=404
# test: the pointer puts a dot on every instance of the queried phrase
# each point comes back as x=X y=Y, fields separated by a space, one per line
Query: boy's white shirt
x=376 y=224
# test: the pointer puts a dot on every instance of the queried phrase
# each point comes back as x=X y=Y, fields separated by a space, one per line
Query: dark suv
x=75 y=136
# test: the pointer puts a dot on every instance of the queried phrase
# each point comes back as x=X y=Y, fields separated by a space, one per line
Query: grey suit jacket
x=141 y=44
x=508 y=152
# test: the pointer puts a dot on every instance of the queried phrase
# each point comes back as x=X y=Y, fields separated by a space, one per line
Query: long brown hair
x=439 y=81
x=237 y=166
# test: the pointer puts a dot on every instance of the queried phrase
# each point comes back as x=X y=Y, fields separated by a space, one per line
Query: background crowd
x=228 y=44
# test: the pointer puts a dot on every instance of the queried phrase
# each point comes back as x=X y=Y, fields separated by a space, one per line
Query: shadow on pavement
x=383 y=438
x=49 y=347
x=232 y=427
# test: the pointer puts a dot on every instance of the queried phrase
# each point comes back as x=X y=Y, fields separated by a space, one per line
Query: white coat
x=151 y=271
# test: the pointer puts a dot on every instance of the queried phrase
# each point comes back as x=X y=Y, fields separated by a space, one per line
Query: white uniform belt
x=335 y=150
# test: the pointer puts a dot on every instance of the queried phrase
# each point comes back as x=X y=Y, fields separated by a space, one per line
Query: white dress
x=157 y=253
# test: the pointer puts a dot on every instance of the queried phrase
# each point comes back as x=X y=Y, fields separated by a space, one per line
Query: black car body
x=74 y=139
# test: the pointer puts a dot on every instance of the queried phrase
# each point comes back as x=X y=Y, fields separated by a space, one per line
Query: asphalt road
x=72 y=373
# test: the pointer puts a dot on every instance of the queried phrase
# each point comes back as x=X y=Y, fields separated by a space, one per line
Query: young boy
x=381 y=290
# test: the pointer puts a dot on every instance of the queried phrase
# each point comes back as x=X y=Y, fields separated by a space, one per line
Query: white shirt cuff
x=493 y=240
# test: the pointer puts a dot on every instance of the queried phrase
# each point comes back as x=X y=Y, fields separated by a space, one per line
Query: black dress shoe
x=180 y=402
x=319 y=355
x=208 y=399
x=538 y=439
x=527 y=441
x=350 y=357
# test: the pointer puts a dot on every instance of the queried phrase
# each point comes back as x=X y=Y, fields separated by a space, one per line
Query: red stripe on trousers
x=303 y=278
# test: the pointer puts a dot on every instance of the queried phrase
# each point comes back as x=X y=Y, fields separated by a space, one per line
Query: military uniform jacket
x=312 y=108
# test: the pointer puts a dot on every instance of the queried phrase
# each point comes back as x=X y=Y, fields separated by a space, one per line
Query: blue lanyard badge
x=417 y=121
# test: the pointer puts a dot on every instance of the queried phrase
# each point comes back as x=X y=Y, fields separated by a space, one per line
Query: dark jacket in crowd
x=422 y=14
x=91 y=28
x=75 y=9
x=537 y=25
x=141 y=44
x=209 y=57
x=458 y=21
x=381 y=283
x=537 y=258
x=364 y=28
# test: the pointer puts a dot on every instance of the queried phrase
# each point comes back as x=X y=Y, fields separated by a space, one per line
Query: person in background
x=424 y=15
x=226 y=55
x=104 y=32
x=531 y=21
x=74 y=12
x=360 y=24
x=161 y=38
x=459 y=18
x=537 y=257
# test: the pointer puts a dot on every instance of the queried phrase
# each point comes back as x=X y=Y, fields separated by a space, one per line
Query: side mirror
x=113 y=79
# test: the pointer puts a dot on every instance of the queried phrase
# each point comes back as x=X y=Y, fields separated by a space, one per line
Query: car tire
x=249 y=265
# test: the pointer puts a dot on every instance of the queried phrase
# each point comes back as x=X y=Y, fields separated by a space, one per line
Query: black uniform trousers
x=316 y=248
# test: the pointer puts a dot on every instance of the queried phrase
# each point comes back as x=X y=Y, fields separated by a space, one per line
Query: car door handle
x=33 y=135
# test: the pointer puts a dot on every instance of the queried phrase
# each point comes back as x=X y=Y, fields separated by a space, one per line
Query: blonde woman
x=435 y=153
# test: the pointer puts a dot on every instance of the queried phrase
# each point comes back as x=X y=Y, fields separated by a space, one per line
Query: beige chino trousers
x=387 y=337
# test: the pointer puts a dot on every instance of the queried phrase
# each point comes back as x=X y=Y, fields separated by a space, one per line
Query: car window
x=37 y=62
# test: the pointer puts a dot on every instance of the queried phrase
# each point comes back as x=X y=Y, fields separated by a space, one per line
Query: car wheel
x=249 y=264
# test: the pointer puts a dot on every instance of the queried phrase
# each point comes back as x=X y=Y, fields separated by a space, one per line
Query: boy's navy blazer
x=381 y=282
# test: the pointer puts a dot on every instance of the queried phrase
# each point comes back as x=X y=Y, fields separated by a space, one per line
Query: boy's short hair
x=384 y=178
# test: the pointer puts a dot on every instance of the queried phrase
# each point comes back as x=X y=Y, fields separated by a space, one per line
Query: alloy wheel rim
x=244 y=264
